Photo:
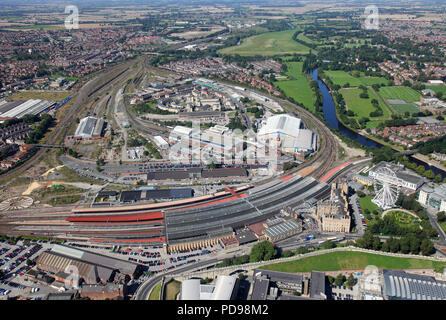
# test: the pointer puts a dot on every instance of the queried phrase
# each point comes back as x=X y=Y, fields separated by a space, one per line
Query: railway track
x=80 y=99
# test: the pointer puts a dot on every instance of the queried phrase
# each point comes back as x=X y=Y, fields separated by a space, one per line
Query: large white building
x=225 y=288
x=403 y=178
x=89 y=127
x=433 y=196
x=290 y=132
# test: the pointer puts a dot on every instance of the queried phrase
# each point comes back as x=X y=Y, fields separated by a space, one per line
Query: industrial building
x=93 y=267
x=433 y=196
x=399 y=285
x=225 y=288
x=274 y=285
x=290 y=132
x=318 y=285
x=283 y=230
x=160 y=142
x=18 y=109
x=288 y=283
x=89 y=127
x=403 y=178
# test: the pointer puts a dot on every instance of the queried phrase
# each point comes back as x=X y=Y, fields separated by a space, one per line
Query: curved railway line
x=175 y=221
x=80 y=99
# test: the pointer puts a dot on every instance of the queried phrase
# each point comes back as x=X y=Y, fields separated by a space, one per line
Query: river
x=329 y=110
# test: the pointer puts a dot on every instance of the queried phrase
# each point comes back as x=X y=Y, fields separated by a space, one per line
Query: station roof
x=402 y=285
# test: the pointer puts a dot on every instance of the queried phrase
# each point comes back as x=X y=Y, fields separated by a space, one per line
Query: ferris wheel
x=386 y=188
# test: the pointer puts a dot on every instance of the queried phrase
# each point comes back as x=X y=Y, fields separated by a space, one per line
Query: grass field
x=362 y=107
x=341 y=78
x=366 y=203
x=400 y=93
x=402 y=108
x=298 y=88
x=352 y=261
x=373 y=124
x=268 y=44
x=443 y=226
x=155 y=294
x=440 y=88
x=42 y=95
x=172 y=290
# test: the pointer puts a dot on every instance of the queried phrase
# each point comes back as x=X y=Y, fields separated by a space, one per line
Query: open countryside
x=343 y=78
x=268 y=44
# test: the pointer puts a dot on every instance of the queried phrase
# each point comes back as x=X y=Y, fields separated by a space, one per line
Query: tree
x=441 y=216
x=414 y=244
x=330 y=279
x=211 y=165
x=394 y=245
x=302 y=250
x=427 y=247
x=340 y=279
x=350 y=281
x=100 y=162
x=385 y=247
x=376 y=245
x=328 y=245
x=405 y=245
x=262 y=251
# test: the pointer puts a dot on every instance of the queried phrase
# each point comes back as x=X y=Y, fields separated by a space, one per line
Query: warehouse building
x=290 y=132
x=225 y=288
x=93 y=267
x=56 y=264
x=160 y=142
x=282 y=230
x=89 y=127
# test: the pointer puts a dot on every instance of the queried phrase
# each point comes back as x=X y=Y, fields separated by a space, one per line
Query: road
x=144 y=290
x=359 y=226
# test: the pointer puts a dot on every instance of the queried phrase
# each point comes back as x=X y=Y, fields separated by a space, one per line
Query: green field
x=298 y=88
x=362 y=107
x=366 y=203
x=268 y=44
x=345 y=260
x=406 y=107
x=341 y=78
x=155 y=293
x=439 y=88
x=400 y=93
